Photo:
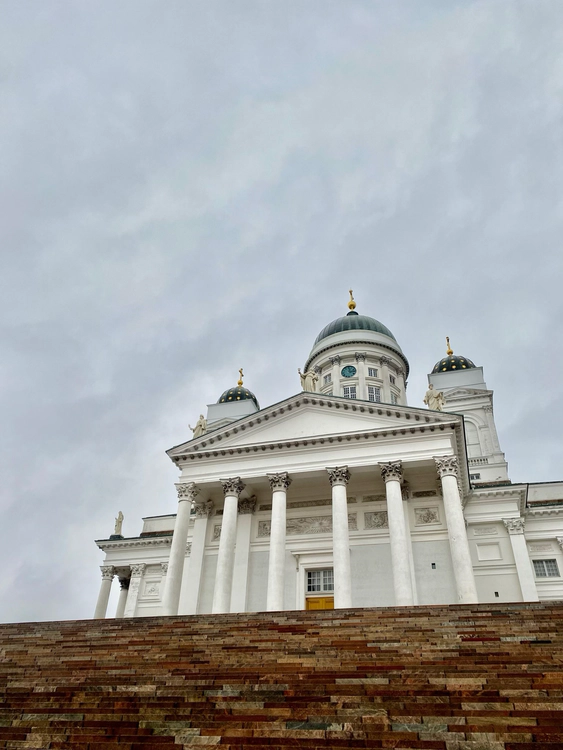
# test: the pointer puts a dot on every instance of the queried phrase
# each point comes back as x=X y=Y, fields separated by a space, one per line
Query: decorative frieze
x=187 y=491
x=307 y=525
x=424 y=516
x=485 y=531
x=514 y=525
x=216 y=533
x=392 y=471
x=377 y=519
x=339 y=475
x=303 y=504
x=279 y=481
x=152 y=589
x=543 y=546
x=375 y=498
x=247 y=505
x=425 y=493
x=447 y=465
x=232 y=486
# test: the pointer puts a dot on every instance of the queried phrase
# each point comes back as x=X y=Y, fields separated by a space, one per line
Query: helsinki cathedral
x=343 y=495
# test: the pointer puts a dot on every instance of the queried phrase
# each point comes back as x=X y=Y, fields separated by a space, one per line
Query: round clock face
x=348 y=372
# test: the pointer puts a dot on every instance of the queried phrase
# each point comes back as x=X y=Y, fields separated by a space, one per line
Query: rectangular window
x=392 y=379
x=374 y=393
x=319 y=581
x=372 y=372
x=474 y=476
x=394 y=398
x=349 y=391
x=546 y=568
x=327 y=378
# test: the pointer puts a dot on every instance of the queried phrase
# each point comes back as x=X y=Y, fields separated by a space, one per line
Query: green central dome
x=354 y=322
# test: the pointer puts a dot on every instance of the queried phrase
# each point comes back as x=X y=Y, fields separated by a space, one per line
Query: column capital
x=514 y=525
x=360 y=356
x=339 y=475
x=560 y=541
x=232 y=486
x=335 y=360
x=187 y=491
x=108 y=572
x=247 y=505
x=164 y=568
x=279 y=481
x=124 y=583
x=385 y=360
x=393 y=470
x=447 y=465
x=138 y=570
x=318 y=369
x=204 y=508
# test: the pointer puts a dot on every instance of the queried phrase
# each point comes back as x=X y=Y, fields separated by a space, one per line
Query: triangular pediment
x=461 y=393
x=306 y=416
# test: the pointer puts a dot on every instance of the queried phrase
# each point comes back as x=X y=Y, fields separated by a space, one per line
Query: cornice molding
x=156 y=541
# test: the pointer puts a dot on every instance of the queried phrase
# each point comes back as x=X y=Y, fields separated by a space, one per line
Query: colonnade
x=231 y=544
x=130 y=578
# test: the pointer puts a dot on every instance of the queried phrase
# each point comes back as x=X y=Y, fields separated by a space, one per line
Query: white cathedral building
x=343 y=495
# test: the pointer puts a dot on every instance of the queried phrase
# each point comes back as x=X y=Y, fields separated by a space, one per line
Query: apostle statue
x=309 y=380
x=200 y=427
x=118 y=524
x=434 y=399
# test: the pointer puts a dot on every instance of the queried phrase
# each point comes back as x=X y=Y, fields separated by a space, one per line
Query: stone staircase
x=472 y=677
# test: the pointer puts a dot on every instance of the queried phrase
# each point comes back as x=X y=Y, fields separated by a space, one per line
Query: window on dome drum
x=374 y=393
x=394 y=398
x=349 y=391
x=327 y=378
x=319 y=581
x=392 y=379
x=372 y=372
x=474 y=476
x=546 y=568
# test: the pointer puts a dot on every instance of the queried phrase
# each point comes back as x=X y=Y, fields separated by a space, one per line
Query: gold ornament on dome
x=351 y=303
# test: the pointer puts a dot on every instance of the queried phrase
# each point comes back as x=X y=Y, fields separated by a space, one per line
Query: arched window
x=472 y=440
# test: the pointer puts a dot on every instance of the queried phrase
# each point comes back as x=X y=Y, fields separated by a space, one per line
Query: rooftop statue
x=434 y=399
x=118 y=524
x=309 y=380
x=200 y=427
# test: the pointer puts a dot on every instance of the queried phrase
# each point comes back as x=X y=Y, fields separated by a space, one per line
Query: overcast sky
x=192 y=187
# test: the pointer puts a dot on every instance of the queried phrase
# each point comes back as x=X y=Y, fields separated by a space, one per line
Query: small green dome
x=354 y=322
x=238 y=394
x=453 y=362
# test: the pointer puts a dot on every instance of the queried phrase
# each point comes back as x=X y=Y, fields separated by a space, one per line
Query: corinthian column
x=515 y=528
x=123 y=591
x=204 y=510
x=339 y=478
x=392 y=474
x=448 y=471
x=105 y=589
x=186 y=495
x=276 y=566
x=226 y=557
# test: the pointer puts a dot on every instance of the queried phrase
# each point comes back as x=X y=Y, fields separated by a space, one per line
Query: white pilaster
x=246 y=508
x=335 y=362
x=186 y=495
x=276 y=566
x=190 y=593
x=108 y=573
x=339 y=477
x=515 y=528
x=226 y=557
x=361 y=365
x=448 y=470
x=386 y=387
x=137 y=572
x=123 y=592
x=392 y=474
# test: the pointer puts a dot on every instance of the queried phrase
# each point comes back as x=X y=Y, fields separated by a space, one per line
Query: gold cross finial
x=352 y=304
x=239 y=381
x=449 y=350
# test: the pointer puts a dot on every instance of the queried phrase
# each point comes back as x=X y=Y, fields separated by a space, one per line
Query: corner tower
x=465 y=392
x=358 y=357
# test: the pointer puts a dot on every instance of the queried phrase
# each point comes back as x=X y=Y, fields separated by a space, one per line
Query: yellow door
x=319 y=602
